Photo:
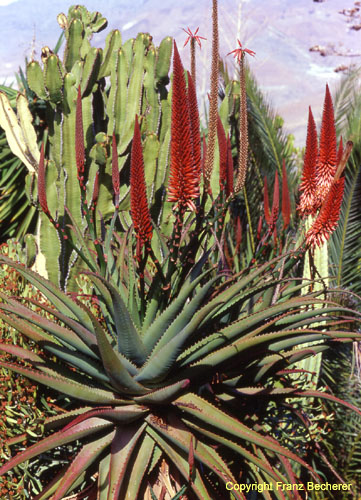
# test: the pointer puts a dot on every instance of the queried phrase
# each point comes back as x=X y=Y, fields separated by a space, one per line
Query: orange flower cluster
x=322 y=185
x=185 y=148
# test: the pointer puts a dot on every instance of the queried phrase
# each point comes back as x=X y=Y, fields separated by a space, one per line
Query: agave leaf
x=139 y=467
x=160 y=325
x=113 y=365
x=179 y=434
x=131 y=367
x=60 y=420
x=161 y=361
x=330 y=397
x=180 y=458
x=250 y=457
x=118 y=414
x=124 y=442
x=88 y=337
x=244 y=325
x=103 y=478
x=84 y=459
x=49 y=326
x=66 y=386
x=129 y=341
x=184 y=317
x=27 y=330
x=90 y=427
x=21 y=353
x=214 y=417
x=91 y=367
x=53 y=485
x=273 y=342
x=59 y=299
x=163 y=395
x=226 y=296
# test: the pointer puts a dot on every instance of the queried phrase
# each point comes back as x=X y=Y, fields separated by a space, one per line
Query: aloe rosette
x=174 y=387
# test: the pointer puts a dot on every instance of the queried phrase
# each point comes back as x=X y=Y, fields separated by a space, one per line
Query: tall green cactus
x=116 y=84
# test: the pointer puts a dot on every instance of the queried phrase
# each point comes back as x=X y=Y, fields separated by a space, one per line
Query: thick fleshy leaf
x=113 y=365
x=119 y=414
x=84 y=459
x=87 y=428
x=139 y=467
x=60 y=333
x=52 y=292
x=129 y=341
x=216 y=418
x=159 y=326
x=220 y=439
x=164 y=395
x=124 y=442
x=179 y=457
x=66 y=386
x=87 y=336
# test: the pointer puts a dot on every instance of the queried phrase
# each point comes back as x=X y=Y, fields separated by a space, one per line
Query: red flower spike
x=275 y=203
x=41 y=183
x=267 y=214
x=79 y=139
x=327 y=219
x=115 y=171
x=240 y=52
x=327 y=156
x=193 y=36
x=195 y=125
x=223 y=154
x=259 y=227
x=339 y=152
x=286 y=203
x=229 y=185
x=95 y=189
x=308 y=202
x=138 y=193
x=183 y=185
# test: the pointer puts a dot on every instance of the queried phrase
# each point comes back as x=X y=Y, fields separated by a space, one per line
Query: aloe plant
x=174 y=386
x=178 y=379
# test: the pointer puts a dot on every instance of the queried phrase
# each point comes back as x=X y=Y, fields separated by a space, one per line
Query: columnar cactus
x=91 y=95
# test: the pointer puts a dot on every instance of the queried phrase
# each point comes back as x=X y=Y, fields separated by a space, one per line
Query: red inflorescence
x=321 y=187
x=327 y=153
x=184 y=174
x=223 y=154
x=286 y=203
x=327 y=220
x=240 y=51
x=193 y=36
x=138 y=193
x=308 y=203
